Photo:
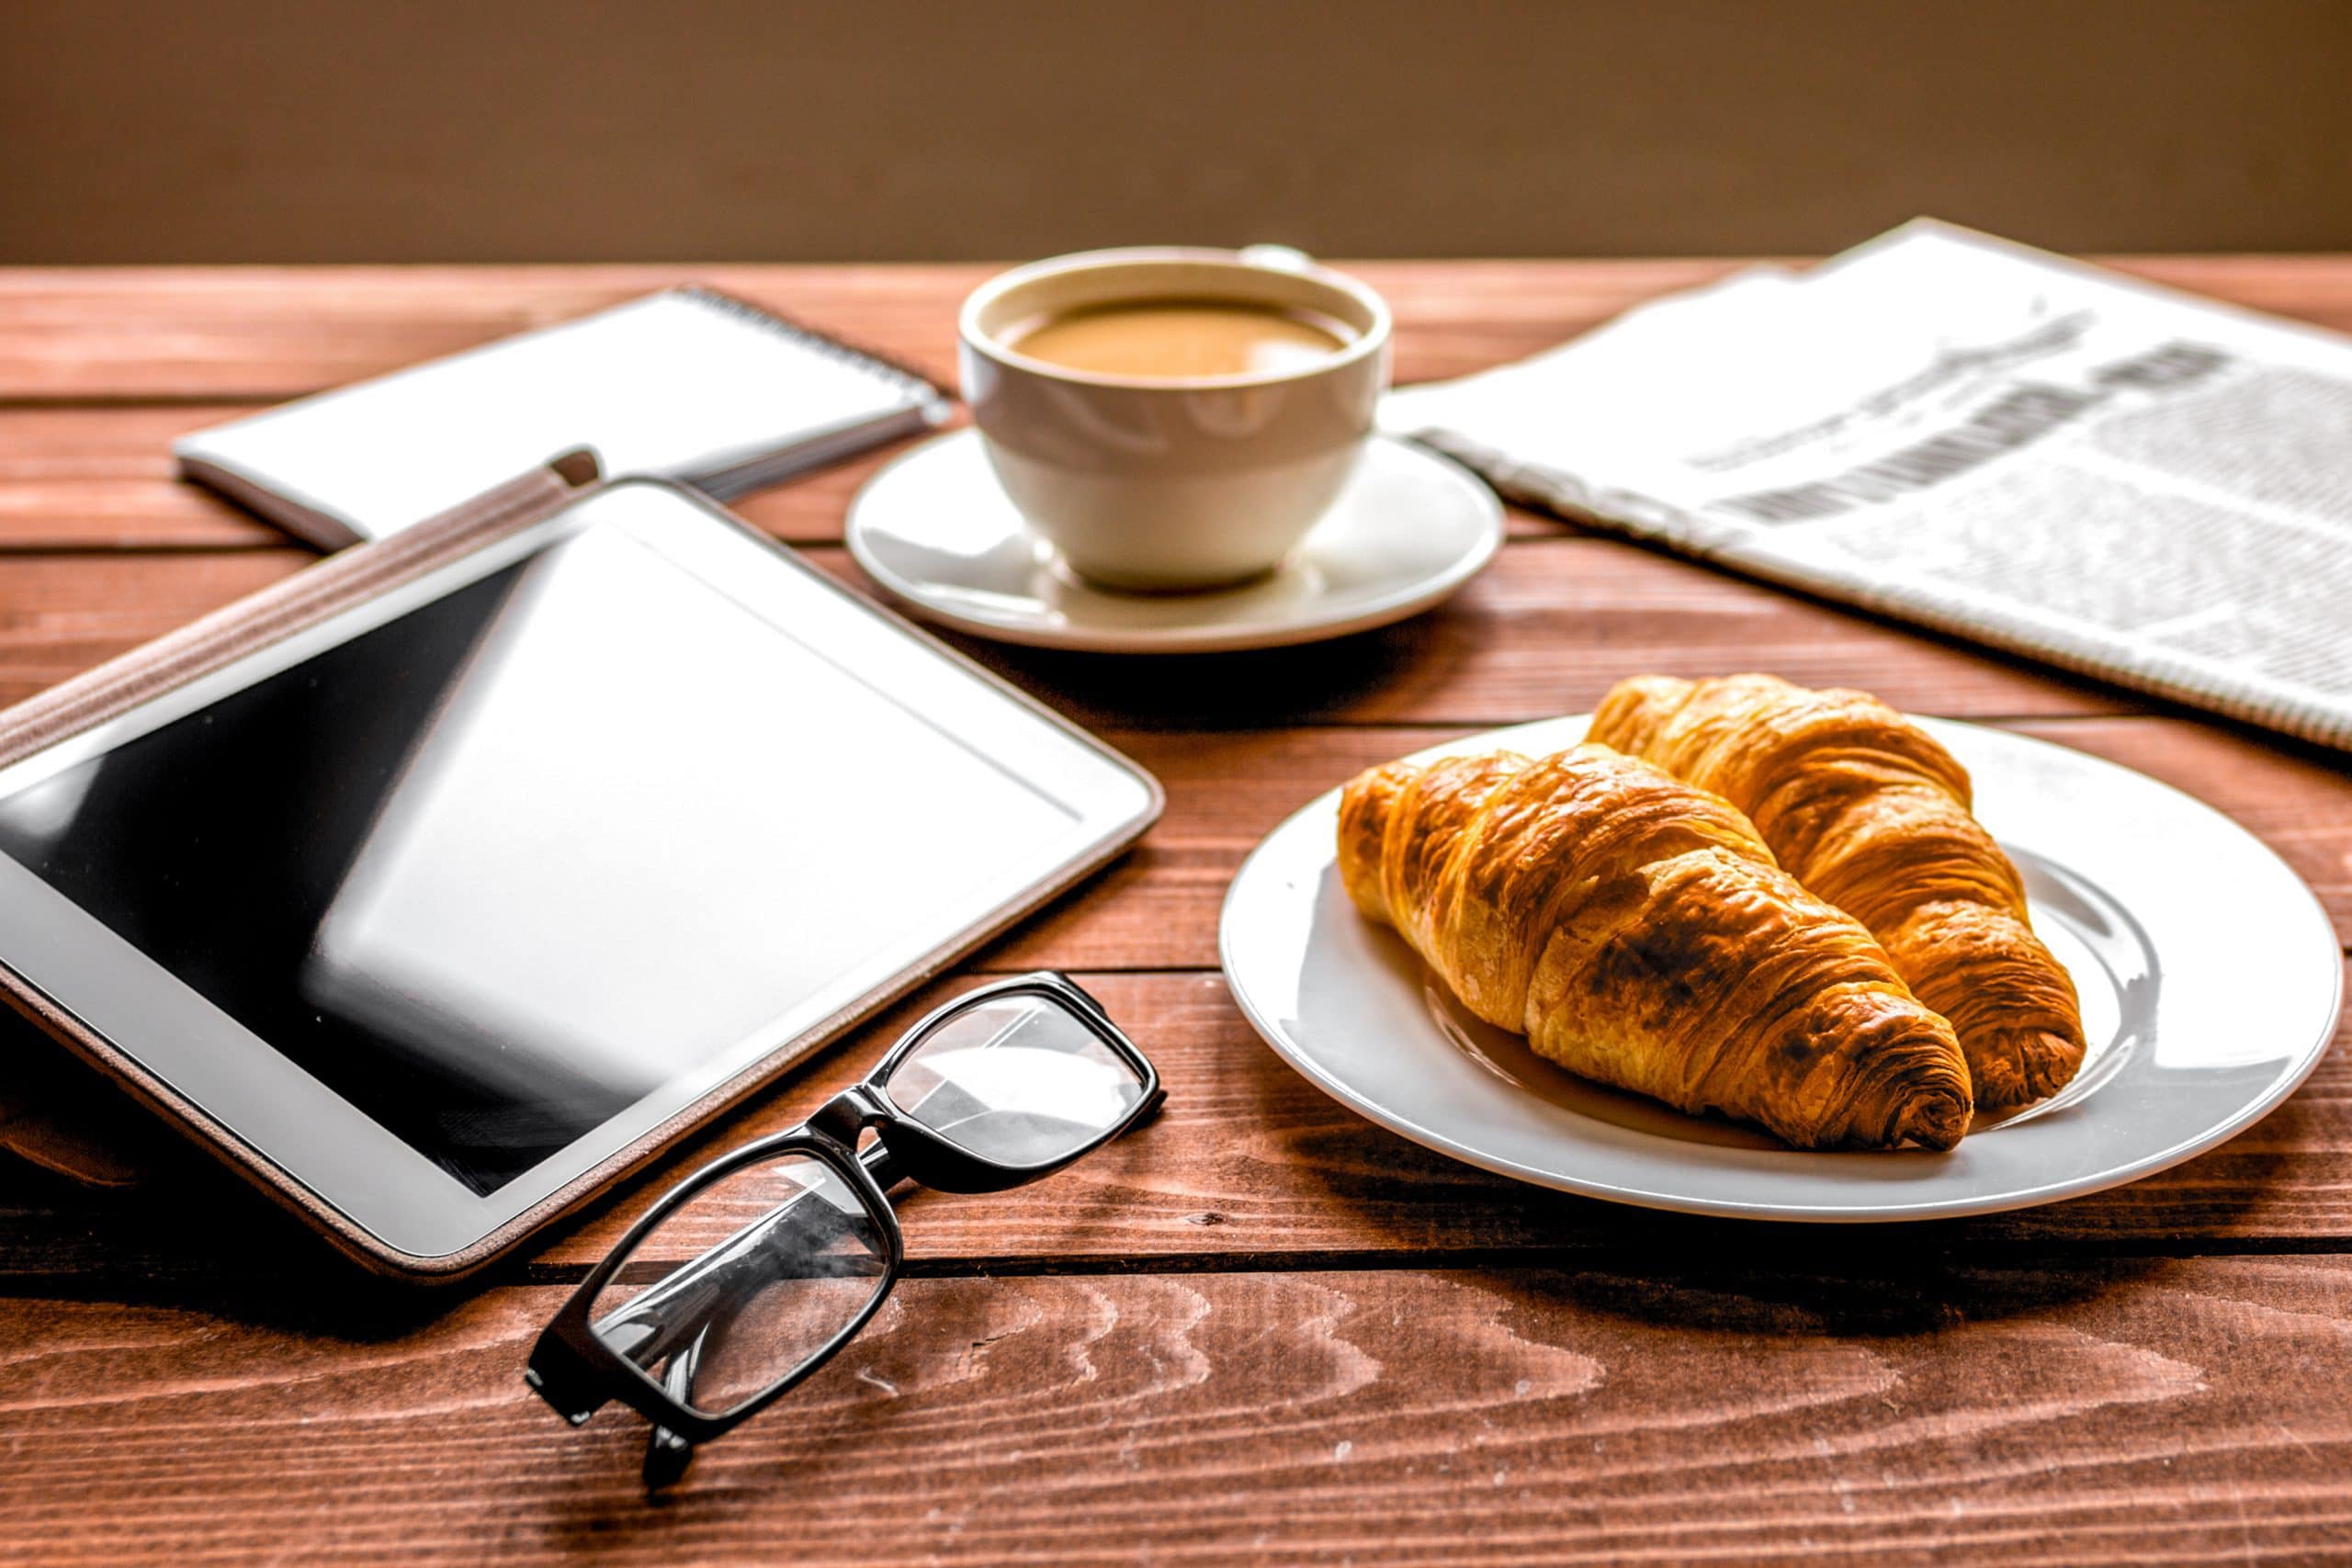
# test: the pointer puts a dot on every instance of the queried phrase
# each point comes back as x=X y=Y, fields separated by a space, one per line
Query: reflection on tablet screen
x=497 y=869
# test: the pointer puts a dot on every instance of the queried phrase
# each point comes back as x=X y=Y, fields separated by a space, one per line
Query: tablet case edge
x=326 y=589
x=227 y=633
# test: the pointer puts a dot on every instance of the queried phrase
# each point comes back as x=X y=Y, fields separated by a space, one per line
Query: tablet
x=450 y=903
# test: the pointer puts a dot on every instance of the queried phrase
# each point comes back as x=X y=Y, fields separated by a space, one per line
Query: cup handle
x=1277 y=258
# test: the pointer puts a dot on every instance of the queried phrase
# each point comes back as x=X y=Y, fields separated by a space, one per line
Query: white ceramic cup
x=1157 y=483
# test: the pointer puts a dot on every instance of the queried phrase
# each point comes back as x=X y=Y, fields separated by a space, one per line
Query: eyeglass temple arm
x=667 y=1455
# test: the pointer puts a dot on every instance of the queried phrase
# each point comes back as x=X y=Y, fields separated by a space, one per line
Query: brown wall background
x=251 y=131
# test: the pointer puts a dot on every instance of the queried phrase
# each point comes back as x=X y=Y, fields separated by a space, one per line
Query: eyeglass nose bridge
x=842 y=1119
x=576 y=1372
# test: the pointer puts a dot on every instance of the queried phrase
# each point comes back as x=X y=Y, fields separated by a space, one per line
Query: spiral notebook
x=688 y=385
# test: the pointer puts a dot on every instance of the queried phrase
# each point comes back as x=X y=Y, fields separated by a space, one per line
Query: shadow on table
x=100 y=1200
x=1271 y=687
x=947 y=1358
x=193 y=1238
x=1870 y=1293
x=1734 y=1276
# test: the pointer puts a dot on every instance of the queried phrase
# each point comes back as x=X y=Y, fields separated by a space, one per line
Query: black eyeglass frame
x=577 y=1372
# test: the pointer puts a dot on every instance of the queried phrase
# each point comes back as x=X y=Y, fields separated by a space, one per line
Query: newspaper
x=1976 y=437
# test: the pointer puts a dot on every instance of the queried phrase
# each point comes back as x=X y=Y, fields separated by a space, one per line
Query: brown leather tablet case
x=65 y=1143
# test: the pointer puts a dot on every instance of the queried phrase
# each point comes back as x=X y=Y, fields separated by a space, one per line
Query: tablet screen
x=501 y=867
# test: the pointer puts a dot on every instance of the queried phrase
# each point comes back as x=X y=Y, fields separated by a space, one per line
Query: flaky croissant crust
x=1870 y=812
x=1636 y=930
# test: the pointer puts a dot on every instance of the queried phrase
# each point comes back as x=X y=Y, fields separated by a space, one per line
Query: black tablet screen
x=498 y=868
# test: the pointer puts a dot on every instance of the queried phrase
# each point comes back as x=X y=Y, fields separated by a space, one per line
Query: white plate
x=937 y=532
x=2209 y=980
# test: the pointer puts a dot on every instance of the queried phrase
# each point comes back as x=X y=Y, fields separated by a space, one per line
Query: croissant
x=1868 y=812
x=1637 y=931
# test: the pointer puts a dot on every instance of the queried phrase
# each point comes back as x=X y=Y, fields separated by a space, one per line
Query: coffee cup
x=1170 y=418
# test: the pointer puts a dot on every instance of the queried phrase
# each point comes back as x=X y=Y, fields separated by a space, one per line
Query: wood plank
x=93 y=478
x=219 y=333
x=61 y=613
x=1609 y=1384
x=1158 y=907
x=2315 y=288
x=2104 y=1412
x=80 y=478
x=1249 y=1162
x=125 y=514
x=48 y=445
x=1161 y=909
x=270 y=332
x=103 y=477
x=265 y=333
x=1546 y=630
x=1549 y=627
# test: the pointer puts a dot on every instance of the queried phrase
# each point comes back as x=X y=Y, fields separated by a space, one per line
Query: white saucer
x=2208 y=974
x=936 y=531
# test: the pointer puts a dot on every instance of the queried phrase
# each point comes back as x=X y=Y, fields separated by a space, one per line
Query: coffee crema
x=1180 y=338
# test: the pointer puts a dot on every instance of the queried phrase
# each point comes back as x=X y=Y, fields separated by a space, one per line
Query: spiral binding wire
x=882 y=366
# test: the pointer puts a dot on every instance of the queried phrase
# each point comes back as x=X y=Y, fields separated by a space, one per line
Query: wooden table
x=1260 y=1325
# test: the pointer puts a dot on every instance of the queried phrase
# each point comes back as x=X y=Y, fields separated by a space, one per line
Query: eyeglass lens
x=1018 y=1079
x=745 y=1282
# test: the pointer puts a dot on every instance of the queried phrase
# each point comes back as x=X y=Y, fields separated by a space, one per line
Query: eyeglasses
x=750 y=1273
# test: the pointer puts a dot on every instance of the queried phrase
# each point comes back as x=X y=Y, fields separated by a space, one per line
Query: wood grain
x=2107 y=1412
x=260 y=334
x=76 y=477
x=1158 y=906
x=1547 y=628
x=1550 y=625
x=1259 y=1327
x=1249 y=1162
x=103 y=477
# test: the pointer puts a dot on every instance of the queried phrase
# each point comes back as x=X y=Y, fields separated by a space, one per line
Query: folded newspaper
x=1976 y=437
